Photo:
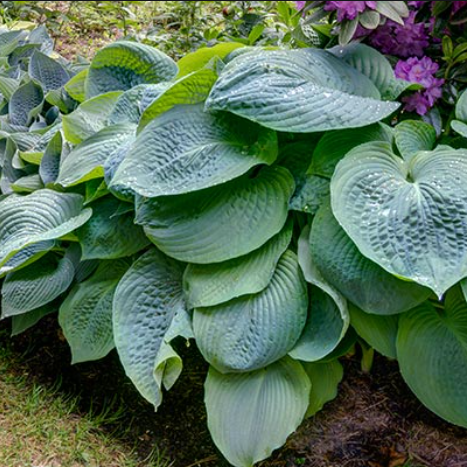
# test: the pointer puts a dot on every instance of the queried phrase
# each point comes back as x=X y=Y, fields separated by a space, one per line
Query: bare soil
x=374 y=422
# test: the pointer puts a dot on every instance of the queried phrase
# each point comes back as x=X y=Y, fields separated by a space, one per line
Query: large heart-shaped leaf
x=300 y=91
x=26 y=256
x=251 y=414
x=379 y=331
x=325 y=378
x=334 y=145
x=148 y=300
x=375 y=66
x=123 y=65
x=253 y=331
x=26 y=102
x=359 y=279
x=195 y=227
x=329 y=319
x=186 y=149
x=212 y=284
x=408 y=217
x=47 y=71
x=460 y=125
x=432 y=354
x=86 y=314
x=198 y=59
x=21 y=323
x=90 y=117
x=36 y=285
x=109 y=234
x=191 y=89
x=413 y=136
x=40 y=216
x=128 y=107
x=75 y=87
x=50 y=161
x=86 y=161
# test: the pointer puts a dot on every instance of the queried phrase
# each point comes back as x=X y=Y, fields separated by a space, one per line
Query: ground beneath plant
x=374 y=422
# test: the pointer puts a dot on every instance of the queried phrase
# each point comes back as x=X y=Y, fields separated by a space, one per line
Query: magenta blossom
x=349 y=10
x=417 y=4
x=456 y=6
x=421 y=71
x=300 y=5
x=406 y=40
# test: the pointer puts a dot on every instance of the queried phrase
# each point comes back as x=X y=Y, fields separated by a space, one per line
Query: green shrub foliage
x=250 y=200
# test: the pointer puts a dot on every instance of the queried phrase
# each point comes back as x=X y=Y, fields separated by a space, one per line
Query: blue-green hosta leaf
x=50 y=162
x=255 y=330
x=94 y=190
x=191 y=89
x=459 y=125
x=36 y=285
x=111 y=166
x=90 y=117
x=26 y=102
x=9 y=40
x=212 y=284
x=21 y=55
x=47 y=71
x=296 y=156
x=187 y=149
x=198 y=59
x=325 y=378
x=413 y=136
x=27 y=184
x=461 y=107
x=379 y=331
x=21 y=323
x=123 y=65
x=359 y=279
x=310 y=195
x=149 y=298
x=38 y=217
x=127 y=107
x=151 y=93
x=85 y=316
x=373 y=65
x=299 y=91
x=26 y=256
x=86 y=161
x=110 y=236
x=432 y=354
x=194 y=227
x=408 y=217
x=8 y=86
x=334 y=145
x=76 y=86
x=329 y=319
x=251 y=414
x=41 y=36
x=310 y=189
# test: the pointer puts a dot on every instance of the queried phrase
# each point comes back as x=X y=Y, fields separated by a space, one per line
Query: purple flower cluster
x=420 y=71
x=300 y=5
x=456 y=6
x=349 y=10
x=407 y=40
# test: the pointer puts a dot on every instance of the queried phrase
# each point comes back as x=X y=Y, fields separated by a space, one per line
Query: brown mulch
x=374 y=422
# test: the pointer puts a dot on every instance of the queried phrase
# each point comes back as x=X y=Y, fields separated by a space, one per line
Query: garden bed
x=375 y=421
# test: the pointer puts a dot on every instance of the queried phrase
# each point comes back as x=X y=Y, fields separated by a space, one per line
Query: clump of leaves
x=253 y=201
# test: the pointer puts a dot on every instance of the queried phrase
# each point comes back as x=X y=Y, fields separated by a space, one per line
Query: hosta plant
x=266 y=204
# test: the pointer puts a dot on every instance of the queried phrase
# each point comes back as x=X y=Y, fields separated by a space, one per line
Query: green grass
x=41 y=427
